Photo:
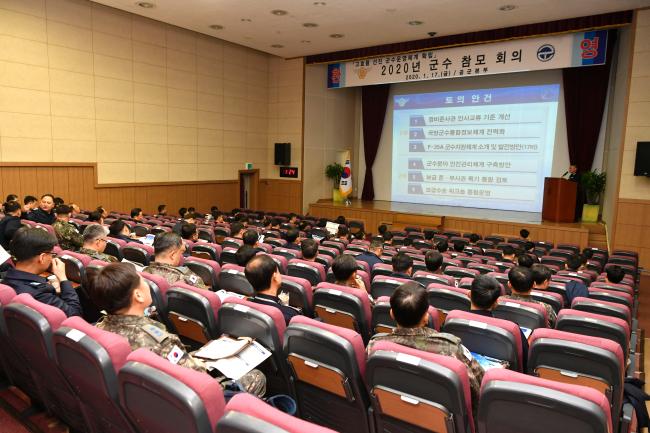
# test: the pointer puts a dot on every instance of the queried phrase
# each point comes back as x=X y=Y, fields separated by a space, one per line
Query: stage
x=482 y=221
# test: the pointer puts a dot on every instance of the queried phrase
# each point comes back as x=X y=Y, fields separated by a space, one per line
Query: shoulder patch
x=467 y=353
x=156 y=333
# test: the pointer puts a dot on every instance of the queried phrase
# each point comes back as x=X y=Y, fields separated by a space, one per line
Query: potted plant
x=593 y=184
x=334 y=173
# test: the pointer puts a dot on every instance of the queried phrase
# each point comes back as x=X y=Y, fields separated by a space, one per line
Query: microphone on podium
x=565 y=173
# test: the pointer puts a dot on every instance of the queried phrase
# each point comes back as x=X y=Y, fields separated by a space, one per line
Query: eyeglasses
x=52 y=254
x=102 y=239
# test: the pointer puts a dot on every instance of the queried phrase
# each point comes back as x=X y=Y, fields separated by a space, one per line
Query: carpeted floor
x=15 y=417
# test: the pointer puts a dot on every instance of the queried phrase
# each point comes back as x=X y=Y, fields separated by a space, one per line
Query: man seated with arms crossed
x=67 y=234
x=372 y=256
x=484 y=293
x=614 y=274
x=575 y=289
x=409 y=307
x=30 y=203
x=345 y=269
x=124 y=295
x=263 y=274
x=309 y=248
x=31 y=249
x=520 y=281
x=44 y=213
x=402 y=266
x=95 y=243
x=168 y=251
x=433 y=261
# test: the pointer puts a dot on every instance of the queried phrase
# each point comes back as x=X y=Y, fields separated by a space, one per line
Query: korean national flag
x=345 y=187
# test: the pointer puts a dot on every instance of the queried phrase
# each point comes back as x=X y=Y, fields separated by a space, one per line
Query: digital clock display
x=289 y=172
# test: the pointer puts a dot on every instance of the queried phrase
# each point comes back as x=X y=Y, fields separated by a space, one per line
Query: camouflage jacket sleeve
x=169 y=346
x=68 y=235
x=192 y=279
x=552 y=317
x=474 y=372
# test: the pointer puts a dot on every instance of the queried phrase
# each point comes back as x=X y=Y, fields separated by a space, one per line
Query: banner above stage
x=531 y=54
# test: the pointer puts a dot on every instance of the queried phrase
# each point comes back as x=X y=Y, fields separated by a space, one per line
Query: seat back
x=595 y=325
x=248 y=414
x=417 y=391
x=288 y=253
x=311 y=271
x=445 y=299
x=264 y=323
x=90 y=359
x=208 y=270
x=233 y=279
x=555 y=300
x=515 y=402
x=576 y=359
x=136 y=253
x=194 y=313
x=328 y=364
x=211 y=249
x=159 y=396
x=381 y=269
x=10 y=361
x=426 y=278
x=383 y=285
x=30 y=326
x=343 y=306
x=614 y=296
x=525 y=314
x=606 y=308
x=489 y=336
x=300 y=293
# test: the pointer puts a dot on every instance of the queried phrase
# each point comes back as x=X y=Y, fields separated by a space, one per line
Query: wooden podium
x=559 y=200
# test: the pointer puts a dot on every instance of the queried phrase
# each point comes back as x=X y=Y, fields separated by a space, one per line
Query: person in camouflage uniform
x=125 y=296
x=409 y=307
x=95 y=243
x=68 y=236
x=168 y=250
x=520 y=282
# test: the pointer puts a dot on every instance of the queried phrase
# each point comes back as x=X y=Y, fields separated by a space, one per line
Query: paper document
x=332 y=228
x=248 y=354
x=224 y=294
x=4 y=255
x=526 y=331
x=488 y=363
x=138 y=267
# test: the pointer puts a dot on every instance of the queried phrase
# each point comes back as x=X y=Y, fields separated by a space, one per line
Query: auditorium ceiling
x=294 y=28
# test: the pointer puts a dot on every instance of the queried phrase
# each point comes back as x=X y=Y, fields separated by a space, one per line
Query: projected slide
x=483 y=148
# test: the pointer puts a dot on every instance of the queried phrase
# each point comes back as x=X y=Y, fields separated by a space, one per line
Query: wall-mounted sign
x=291 y=172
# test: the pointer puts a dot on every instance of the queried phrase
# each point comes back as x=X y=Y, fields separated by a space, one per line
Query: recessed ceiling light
x=279 y=12
x=246 y=20
x=432 y=34
x=304 y=41
x=216 y=27
x=336 y=35
x=390 y=11
x=309 y=25
x=146 y=5
x=319 y=3
x=415 y=23
x=277 y=46
x=506 y=8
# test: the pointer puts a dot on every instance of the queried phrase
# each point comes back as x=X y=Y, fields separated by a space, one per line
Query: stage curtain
x=373 y=107
x=537 y=29
x=585 y=92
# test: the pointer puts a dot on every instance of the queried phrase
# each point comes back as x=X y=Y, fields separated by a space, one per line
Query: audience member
x=31 y=249
x=67 y=234
x=292 y=238
x=244 y=254
x=343 y=233
x=372 y=256
x=74 y=207
x=508 y=253
x=120 y=230
x=162 y=210
x=575 y=289
x=44 y=213
x=237 y=230
x=189 y=232
x=58 y=201
x=309 y=248
x=459 y=246
x=409 y=307
x=293 y=219
x=382 y=229
x=614 y=274
x=102 y=211
x=541 y=275
x=345 y=269
x=30 y=203
x=402 y=265
x=10 y=223
x=95 y=217
x=520 y=281
x=484 y=293
x=136 y=214
x=388 y=238
x=340 y=220
x=442 y=246
x=11 y=197
x=181 y=212
x=473 y=239
x=524 y=233
x=95 y=243
x=188 y=218
x=168 y=252
x=263 y=274
x=525 y=260
x=433 y=261
x=125 y=296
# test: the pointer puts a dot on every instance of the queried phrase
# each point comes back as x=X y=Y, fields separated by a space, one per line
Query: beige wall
x=638 y=112
x=330 y=127
x=149 y=102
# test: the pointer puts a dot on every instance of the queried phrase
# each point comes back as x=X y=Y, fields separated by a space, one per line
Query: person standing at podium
x=574 y=176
